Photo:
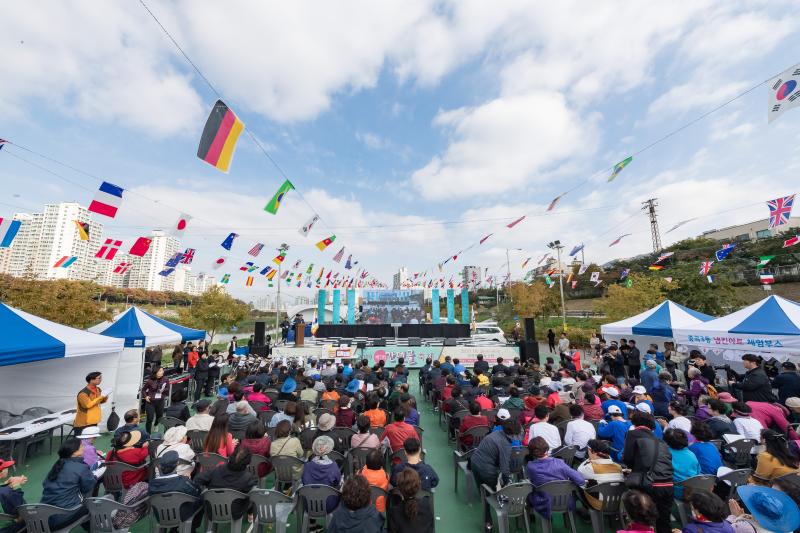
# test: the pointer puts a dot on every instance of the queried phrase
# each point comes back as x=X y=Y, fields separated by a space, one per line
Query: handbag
x=643 y=479
x=113 y=420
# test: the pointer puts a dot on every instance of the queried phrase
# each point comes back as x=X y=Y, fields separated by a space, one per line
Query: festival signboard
x=467 y=355
x=414 y=355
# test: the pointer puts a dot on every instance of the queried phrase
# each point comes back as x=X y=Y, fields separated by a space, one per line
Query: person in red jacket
x=396 y=433
x=125 y=451
x=473 y=419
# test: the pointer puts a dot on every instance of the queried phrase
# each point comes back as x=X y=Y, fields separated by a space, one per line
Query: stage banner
x=336 y=302
x=284 y=353
x=351 y=306
x=467 y=355
x=322 y=298
x=414 y=355
x=451 y=307
x=465 y=306
x=435 y=306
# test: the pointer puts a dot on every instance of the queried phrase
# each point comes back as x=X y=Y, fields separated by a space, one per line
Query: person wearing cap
x=90 y=454
x=793 y=404
x=754 y=383
x=89 y=399
x=643 y=407
x=287 y=390
x=175 y=440
x=599 y=468
x=770 y=510
x=640 y=395
x=202 y=420
x=11 y=496
x=168 y=480
x=616 y=430
x=612 y=399
x=649 y=376
x=322 y=470
x=125 y=450
x=787 y=382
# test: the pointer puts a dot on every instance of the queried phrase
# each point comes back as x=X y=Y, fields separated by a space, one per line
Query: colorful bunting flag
x=3 y=142
x=679 y=224
x=248 y=267
x=780 y=210
x=629 y=283
x=310 y=269
x=784 y=93
x=249 y=282
x=767 y=278
x=256 y=249
x=166 y=272
x=65 y=262
x=349 y=263
x=624 y=273
x=517 y=221
x=173 y=261
x=616 y=241
x=8 y=230
x=140 y=247
x=188 y=256
x=525 y=263
x=576 y=249
x=726 y=249
x=763 y=260
x=595 y=276
x=705 y=267
x=297 y=264
x=180 y=225
x=122 y=267
x=265 y=271
x=619 y=166
x=109 y=249
x=668 y=279
x=225 y=278
x=83 y=230
x=218 y=141
x=663 y=256
x=483 y=240
x=582 y=269
x=555 y=201
x=306 y=228
x=271 y=274
x=228 y=242
x=280 y=258
x=219 y=262
x=710 y=278
x=574 y=284
x=656 y=267
x=791 y=241
x=545 y=256
x=324 y=243
x=275 y=202
x=339 y=255
x=107 y=200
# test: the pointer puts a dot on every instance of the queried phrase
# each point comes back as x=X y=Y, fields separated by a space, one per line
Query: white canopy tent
x=44 y=364
x=654 y=325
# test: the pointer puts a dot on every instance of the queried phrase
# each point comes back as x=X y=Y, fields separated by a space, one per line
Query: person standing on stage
x=153 y=392
x=89 y=400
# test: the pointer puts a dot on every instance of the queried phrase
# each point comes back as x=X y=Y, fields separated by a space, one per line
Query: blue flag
x=166 y=272
x=723 y=253
x=228 y=242
x=578 y=248
x=174 y=260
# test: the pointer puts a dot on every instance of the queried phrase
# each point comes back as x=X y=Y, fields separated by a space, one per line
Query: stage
x=387 y=331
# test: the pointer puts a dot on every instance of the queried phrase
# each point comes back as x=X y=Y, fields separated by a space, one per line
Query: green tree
x=694 y=291
x=622 y=302
x=73 y=303
x=532 y=300
x=214 y=310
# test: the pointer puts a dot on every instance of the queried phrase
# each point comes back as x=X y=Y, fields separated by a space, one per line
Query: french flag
x=107 y=200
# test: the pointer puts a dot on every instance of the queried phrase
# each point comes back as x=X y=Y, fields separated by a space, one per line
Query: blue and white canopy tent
x=44 y=364
x=655 y=325
x=140 y=330
x=770 y=328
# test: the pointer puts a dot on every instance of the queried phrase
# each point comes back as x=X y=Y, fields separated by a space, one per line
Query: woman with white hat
x=176 y=440
x=91 y=455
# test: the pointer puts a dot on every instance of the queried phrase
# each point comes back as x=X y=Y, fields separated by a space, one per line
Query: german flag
x=83 y=230
x=324 y=243
x=219 y=137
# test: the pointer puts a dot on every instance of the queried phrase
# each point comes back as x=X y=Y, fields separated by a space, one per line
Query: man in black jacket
x=787 y=382
x=481 y=365
x=651 y=461
x=170 y=481
x=201 y=381
x=754 y=383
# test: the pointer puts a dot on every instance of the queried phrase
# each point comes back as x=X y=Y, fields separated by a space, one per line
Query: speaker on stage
x=530 y=329
x=529 y=351
x=361 y=345
x=379 y=342
x=261 y=328
x=450 y=342
x=261 y=351
x=414 y=341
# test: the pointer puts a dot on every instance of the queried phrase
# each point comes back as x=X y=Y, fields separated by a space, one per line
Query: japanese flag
x=219 y=262
x=784 y=92
x=180 y=225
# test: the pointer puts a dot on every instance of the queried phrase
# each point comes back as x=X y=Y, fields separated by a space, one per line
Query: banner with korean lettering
x=414 y=356
x=467 y=355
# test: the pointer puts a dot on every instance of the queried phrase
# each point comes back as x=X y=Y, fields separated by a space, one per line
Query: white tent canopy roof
x=660 y=321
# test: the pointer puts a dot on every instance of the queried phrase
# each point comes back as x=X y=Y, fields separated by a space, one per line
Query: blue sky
x=393 y=118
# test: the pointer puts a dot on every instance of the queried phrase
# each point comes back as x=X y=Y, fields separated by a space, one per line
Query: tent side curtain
x=187 y=334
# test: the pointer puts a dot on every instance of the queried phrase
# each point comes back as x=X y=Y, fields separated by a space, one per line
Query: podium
x=299 y=334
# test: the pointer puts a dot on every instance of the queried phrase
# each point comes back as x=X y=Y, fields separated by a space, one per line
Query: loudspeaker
x=450 y=342
x=379 y=342
x=259 y=334
x=528 y=351
x=414 y=341
x=261 y=351
x=530 y=330
x=361 y=344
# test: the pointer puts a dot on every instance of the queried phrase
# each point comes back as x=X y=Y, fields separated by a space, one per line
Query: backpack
x=712 y=391
x=125 y=519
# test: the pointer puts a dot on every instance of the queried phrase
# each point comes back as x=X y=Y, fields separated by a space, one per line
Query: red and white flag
x=140 y=247
x=791 y=241
x=122 y=268
x=767 y=279
x=520 y=219
x=219 y=262
x=180 y=225
x=339 y=255
x=255 y=250
x=109 y=249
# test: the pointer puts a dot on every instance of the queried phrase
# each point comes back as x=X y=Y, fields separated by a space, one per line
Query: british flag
x=780 y=209
x=188 y=256
x=705 y=267
x=255 y=250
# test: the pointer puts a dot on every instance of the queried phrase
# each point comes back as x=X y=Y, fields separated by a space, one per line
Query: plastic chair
x=559 y=493
x=257 y=406
x=280 y=405
x=154 y=465
x=341 y=438
x=735 y=479
x=285 y=467
x=690 y=485
x=255 y=461
x=37 y=515
x=219 y=508
x=461 y=463
x=509 y=502
x=477 y=433
x=329 y=405
x=102 y=511
x=419 y=431
x=610 y=496
x=312 y=500
x=197 y=438
x=170 y=421
x=517 y=463
x=266 y=416
x=307 y=437
x=166 y=510
x=566 y=454
x=490 y=414
x=208 y=461
x=112 y=478
x=378 y=432
x=338 y=458
x=356 y=459
x=271 y=508
x=738 y=452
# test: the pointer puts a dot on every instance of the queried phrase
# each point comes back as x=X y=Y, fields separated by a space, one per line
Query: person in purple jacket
x=321 y=470
x=543 y=469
